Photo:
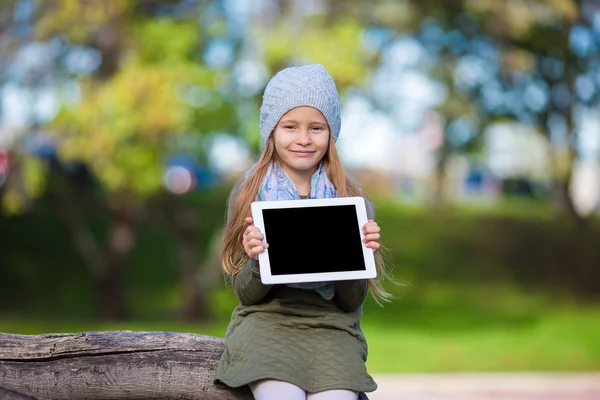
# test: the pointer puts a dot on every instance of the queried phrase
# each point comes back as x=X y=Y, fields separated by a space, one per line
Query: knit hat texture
x=307 y=85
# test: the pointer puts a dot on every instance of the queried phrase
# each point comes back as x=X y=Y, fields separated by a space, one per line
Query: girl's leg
x=276 y=390
x=337 y=394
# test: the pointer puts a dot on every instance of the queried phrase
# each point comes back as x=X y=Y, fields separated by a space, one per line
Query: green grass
x=439 y=328
x=476 y=328
x=558 y=341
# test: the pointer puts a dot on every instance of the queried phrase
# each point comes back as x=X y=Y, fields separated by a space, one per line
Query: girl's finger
x=253 y=229
x=255 y=236
x=253 y=233
x=371 y=227
x=256 y=250
x=373 y=245
x=372 y=237
x=254 y=242
x=253 y=254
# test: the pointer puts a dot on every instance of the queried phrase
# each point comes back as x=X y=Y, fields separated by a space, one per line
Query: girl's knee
x=333 y=395
x=270 y=389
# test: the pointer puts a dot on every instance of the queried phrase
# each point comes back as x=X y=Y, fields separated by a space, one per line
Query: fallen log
x=112 y=365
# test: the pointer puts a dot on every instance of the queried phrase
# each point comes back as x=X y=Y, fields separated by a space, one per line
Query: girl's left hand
x=371 y=232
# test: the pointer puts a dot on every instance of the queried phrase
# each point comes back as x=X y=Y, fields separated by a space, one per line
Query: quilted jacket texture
x=295 y=335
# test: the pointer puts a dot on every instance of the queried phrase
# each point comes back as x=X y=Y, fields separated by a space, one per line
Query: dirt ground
x=509 y=386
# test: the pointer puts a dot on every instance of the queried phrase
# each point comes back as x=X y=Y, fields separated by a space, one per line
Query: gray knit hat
x=308 y=85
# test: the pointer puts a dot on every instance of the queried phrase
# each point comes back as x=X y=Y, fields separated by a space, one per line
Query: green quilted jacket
x=294 y=335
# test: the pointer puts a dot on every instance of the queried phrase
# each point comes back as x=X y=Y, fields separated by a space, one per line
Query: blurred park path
x=488 y=386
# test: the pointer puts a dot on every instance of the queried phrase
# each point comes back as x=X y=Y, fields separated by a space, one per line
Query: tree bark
x=6 y=394
x=112 y=365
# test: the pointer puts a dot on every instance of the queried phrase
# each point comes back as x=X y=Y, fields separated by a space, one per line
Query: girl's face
x=301 y=140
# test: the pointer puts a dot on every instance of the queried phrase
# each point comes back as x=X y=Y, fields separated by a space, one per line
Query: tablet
x=313 y=240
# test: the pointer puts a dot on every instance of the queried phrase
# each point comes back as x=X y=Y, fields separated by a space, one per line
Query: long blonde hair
x=233 y=256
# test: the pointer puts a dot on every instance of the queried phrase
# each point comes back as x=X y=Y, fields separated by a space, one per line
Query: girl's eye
x=289 y=127
x=317 y=128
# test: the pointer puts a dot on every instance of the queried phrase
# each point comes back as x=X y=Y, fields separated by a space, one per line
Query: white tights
x=277 y=390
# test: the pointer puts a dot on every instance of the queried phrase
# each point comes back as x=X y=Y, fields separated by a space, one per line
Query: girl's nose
x=304 y=137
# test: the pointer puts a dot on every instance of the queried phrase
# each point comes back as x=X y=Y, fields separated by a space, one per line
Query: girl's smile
x=303 y=153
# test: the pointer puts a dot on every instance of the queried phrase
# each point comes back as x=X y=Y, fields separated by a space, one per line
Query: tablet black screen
x=313 y=239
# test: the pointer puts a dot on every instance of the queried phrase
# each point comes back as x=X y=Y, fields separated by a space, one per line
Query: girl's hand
x=253 y=244
x=371 y=231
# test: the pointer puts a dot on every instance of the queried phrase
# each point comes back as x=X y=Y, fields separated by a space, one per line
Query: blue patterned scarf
x=277 y=185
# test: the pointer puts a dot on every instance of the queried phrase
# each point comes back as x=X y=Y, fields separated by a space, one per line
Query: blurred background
x=473 y=125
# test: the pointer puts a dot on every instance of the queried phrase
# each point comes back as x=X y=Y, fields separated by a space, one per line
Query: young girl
x=295 y=341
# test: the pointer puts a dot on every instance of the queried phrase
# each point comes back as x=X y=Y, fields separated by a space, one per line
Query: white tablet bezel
x=266 y=277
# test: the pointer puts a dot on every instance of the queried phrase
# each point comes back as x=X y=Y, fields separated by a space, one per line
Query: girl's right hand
x=253 y=240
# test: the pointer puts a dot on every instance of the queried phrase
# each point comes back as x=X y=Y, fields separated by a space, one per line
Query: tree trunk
x=198 y=278
x=195 y=307
x=198 y=273
x=211 y=273
x=437 y=197
x=112 y=365
x=109 y=279
x=562 y=172
x=186 y=227
x=564 y=202
x=561 y=186
x=106 y=262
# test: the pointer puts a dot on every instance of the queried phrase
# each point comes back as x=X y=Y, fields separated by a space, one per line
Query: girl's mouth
x=303 y=153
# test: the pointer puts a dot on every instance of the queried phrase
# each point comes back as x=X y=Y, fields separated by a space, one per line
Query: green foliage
x=39 y=259
x=78 y=21
x=517 y=18
x=151 y=46
x=124 y=127
x=25 y=182
x=525 y=245
x=349 y=64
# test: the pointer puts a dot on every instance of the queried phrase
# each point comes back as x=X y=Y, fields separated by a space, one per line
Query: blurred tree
x=535 y=62
x=456 y=108
x=549 y=53
x=541 y=59
x=150 y=96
